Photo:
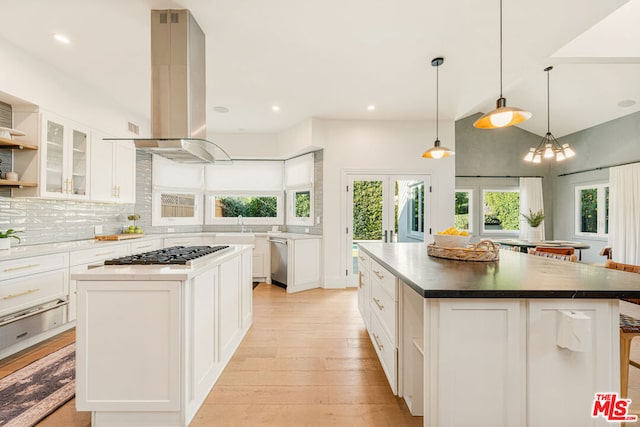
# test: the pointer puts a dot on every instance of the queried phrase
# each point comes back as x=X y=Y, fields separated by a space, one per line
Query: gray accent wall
x=608 y=144
x=497 y=152
x=500 y=152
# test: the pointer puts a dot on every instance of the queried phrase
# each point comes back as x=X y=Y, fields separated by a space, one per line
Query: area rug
x=33 y=392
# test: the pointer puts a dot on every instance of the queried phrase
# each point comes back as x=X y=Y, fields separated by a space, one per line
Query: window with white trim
x=592 y=210
x=175 y=207
x=464 y=210
x=300 y=206
x=241 y=208
x=501 y=211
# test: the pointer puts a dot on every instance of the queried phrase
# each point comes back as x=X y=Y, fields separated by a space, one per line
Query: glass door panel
x=385 y=208
x=367 y=216
x=79 y=163
x=55 y=157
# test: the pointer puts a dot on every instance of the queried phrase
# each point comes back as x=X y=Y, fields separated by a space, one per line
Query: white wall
x=25 y=77
x=383 y=146
x=248 y=145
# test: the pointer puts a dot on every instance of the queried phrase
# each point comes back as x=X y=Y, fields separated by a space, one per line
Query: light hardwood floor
x=307 y=361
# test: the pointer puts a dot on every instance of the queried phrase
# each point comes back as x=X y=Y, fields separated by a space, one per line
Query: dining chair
x=571 y=258
x=555 y=250
x=629 y=329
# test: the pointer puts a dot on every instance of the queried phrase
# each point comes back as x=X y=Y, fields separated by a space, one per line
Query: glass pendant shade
x=537 y=158
x=568 y=152
x=530 y=154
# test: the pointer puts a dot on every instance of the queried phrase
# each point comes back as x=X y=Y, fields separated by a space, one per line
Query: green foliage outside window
x=367 y=210
x=503 y=208
x=303 y=204
x=589 y=210
x=248 y=206
x=461 y=221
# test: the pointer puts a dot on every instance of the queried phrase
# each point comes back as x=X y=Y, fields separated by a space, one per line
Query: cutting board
x=119 y=236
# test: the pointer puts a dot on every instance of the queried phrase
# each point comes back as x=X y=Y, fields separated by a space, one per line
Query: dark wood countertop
x=515 y=275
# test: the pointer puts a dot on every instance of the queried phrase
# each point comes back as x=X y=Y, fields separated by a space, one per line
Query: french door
x=387 y=208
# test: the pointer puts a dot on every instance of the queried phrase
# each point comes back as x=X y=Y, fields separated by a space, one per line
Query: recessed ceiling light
x=276 y=108
x=220 y=109
x=626 y=103
x=371 y=107
x=61 y=38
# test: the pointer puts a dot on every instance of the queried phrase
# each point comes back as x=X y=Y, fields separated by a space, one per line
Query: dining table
x=523 y=245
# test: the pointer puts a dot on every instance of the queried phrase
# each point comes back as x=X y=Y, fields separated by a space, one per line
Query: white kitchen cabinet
x=33 y=296
x=304 y=264
x=113 y=170
x=84 y=259
x=364 y=286
x=261 y=260
x=64 y=149
x=177 y=330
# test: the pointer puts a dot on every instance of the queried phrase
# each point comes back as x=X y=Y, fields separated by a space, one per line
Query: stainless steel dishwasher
x=278 y=261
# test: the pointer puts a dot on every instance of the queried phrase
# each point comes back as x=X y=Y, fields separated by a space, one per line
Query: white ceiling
x=332 y=58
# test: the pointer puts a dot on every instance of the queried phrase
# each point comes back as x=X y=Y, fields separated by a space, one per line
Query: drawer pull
x=362 y=258
x=380 y=276
x=144 y=246
x=11 y=296
x=377 y=301
x=22 y=267
x=377 y=338
x=103 y=253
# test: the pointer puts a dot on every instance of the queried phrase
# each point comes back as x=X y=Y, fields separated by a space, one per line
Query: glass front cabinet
x=65 y=158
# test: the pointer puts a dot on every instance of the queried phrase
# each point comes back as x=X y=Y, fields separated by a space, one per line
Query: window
x=244 y=208
x=176 y=208
x=501 y=210
x=300 y=206
x=592 y=210
x=416 y=206
x=463 y=210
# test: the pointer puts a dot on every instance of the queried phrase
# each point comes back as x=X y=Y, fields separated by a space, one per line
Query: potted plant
x=534 y=219
x=5 y=243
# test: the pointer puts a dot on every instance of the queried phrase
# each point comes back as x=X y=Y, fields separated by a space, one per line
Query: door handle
x=390 y=236
x=385 y=236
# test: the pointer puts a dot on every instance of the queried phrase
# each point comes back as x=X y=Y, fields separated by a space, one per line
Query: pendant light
x=437 y=151
x=502 y=116
x=549 y=147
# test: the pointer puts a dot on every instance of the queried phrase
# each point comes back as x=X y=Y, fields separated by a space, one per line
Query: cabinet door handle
x=377 y=273
x=362 y=258
x=103 y=253
x=113 y=191
x=11 y=296
x=377 y=301
x=143 y=246
x=378 y=343
x=118 y=191
x=22 y=267
x=360 y=279
x=71 y=185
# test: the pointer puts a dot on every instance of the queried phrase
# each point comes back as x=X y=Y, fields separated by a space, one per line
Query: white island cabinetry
x=496 y=343
x=152 y=341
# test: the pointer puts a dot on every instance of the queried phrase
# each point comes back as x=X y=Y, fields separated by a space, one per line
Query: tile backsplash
x=52 y=221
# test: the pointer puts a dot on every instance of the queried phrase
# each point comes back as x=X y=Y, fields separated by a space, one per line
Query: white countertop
x=52 y=248
x=159 y=272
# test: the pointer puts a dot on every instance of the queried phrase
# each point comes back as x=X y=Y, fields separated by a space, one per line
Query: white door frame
x=347 y=208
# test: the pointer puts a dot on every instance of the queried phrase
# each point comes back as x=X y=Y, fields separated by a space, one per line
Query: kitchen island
x=152 y=340
x=523 y=341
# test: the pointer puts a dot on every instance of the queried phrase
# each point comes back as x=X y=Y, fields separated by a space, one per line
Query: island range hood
x=178 y=91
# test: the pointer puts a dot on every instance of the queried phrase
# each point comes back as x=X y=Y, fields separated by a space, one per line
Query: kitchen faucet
x=241 y=222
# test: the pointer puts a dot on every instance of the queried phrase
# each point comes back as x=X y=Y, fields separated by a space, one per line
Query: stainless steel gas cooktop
x=175 y=255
